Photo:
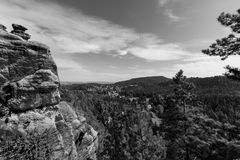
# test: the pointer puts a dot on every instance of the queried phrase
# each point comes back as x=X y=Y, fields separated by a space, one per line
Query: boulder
x=19 y=27
x=20 y=31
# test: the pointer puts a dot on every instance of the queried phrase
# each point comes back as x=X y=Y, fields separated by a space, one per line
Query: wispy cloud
x=172 y=16
x=67 y=30
x=158 y=52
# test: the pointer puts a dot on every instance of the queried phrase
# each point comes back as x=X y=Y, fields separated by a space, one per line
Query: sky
x=114 y=40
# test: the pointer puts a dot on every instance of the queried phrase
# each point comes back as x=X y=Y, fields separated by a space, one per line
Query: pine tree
x=229 y=45
x=175 y=120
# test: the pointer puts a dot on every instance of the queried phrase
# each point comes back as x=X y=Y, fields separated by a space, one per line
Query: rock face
x=34 y=123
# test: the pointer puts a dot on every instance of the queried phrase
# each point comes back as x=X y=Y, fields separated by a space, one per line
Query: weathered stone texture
x=34 y=124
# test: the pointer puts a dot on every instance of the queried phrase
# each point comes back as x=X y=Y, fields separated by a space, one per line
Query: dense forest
x=195 y=118
x=156 y=118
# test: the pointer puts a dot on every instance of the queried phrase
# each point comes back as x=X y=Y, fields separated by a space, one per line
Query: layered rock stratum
x=34 y=122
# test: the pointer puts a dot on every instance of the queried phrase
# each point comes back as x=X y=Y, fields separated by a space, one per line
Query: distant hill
x=144 y=80
x=163 y=85
x=84 y=83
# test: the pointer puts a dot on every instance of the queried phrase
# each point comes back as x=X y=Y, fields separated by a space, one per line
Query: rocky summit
x=34 y=122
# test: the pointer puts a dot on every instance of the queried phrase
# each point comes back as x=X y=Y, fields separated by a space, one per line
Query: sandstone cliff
x=34 y=123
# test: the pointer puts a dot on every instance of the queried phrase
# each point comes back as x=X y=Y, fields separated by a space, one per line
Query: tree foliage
x=129 y=134
x=191 y=133
x=229 y=45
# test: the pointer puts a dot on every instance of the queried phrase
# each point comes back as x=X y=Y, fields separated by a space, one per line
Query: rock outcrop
x=20 y=31
x=34 y=123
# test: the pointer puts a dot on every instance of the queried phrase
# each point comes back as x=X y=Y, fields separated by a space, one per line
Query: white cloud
x=159 y=52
